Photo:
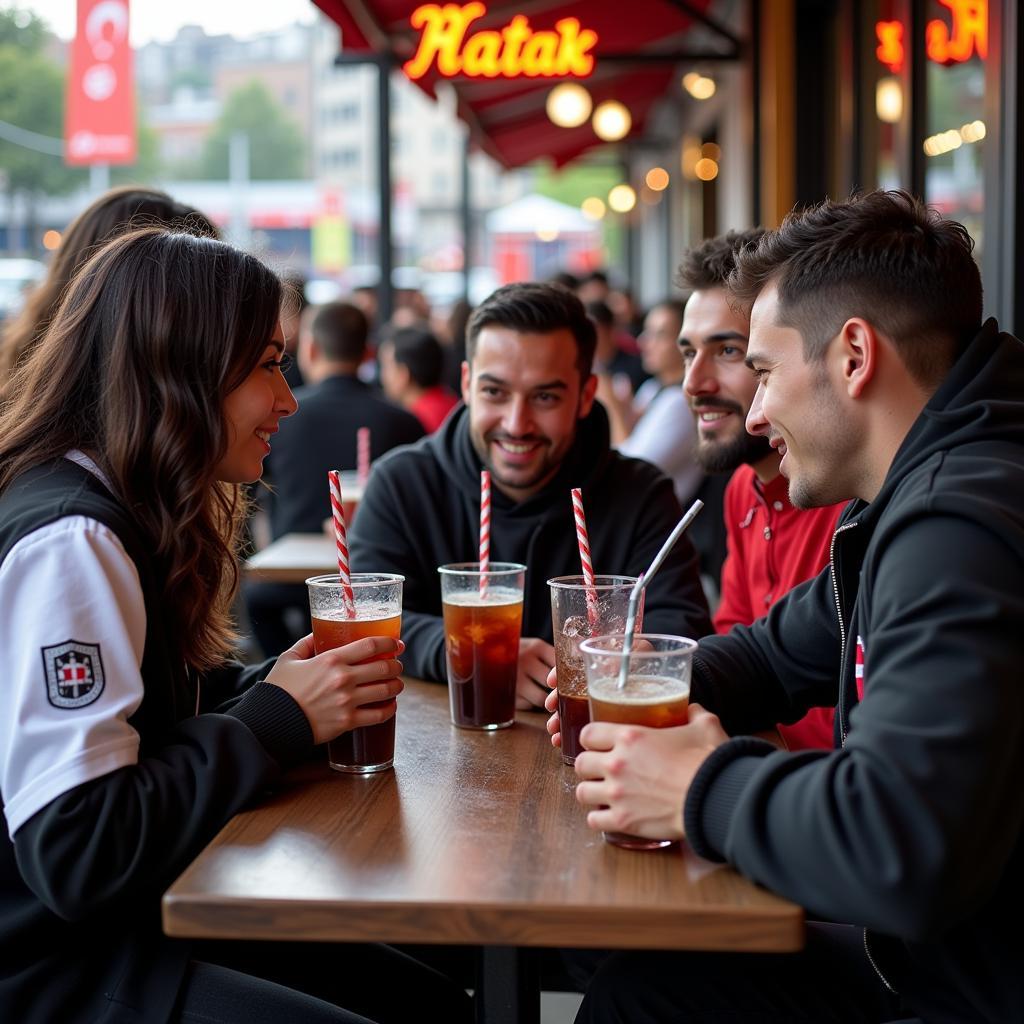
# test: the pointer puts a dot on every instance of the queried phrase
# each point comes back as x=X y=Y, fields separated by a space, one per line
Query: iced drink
x=575 y=618
x=656 y=693
x=481 y=630
x=378 y=604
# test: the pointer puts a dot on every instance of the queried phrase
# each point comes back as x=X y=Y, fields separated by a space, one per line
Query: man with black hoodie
x=877 y=379
x=531 y=420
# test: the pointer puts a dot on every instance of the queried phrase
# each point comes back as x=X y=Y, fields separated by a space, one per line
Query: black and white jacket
x=116 y=765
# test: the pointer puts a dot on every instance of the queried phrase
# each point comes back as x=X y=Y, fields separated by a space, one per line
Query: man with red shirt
x=411 y=368
x=772 y=546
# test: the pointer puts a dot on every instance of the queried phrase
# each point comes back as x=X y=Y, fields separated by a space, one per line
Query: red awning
x=507 y=116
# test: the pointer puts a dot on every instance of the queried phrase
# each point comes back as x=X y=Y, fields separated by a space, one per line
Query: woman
x=127 y=737
x=115 y=211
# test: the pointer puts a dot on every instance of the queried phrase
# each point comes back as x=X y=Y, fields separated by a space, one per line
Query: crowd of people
x=830 y=389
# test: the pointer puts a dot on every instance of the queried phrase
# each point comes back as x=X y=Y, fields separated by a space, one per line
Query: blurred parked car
x=17 y=278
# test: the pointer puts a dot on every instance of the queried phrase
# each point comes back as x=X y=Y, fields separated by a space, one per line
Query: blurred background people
x=113 y=213
x=593 y=287
x=657 y=424
x=612 y=362
x=411 y=364
x=293 y=304
x=321 y=436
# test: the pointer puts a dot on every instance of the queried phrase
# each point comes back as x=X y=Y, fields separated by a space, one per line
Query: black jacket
x=320 y=437
x=81 y=881
x=914 y=827
x=421 y=509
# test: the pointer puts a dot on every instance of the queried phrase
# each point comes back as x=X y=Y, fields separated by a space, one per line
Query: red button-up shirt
x=772 y=547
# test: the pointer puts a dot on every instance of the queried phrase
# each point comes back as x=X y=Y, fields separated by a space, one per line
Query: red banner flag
x=100 y=123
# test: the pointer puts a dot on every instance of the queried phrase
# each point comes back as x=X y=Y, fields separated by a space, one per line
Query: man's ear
x=858 y=352
x=467 y=375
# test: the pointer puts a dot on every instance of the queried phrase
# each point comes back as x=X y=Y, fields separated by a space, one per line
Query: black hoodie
x=421 y=509
x=914 y=827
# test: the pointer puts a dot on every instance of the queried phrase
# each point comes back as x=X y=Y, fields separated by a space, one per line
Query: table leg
x=508 y=986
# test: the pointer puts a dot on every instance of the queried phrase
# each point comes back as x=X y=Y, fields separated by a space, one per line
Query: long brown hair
x=153 y=333
x=116 y=211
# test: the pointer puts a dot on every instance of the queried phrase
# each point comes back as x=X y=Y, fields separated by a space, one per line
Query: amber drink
x=579 y=612
x=483 y=617
x=378 y=607
x=656 y=693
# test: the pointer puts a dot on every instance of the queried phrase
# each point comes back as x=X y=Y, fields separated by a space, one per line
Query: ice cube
x=614 y=625
x=576 y=626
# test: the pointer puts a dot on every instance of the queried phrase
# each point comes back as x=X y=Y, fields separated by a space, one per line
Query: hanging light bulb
x=611 y=121
x=699 y=86
x=889 y=100
x=622 y=198
x=657 y=179
x=569 y=105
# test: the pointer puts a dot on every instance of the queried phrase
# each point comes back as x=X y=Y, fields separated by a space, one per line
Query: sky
x=161 y=19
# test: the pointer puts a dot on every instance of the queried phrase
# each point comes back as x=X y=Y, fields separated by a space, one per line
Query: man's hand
x=536 y=659
x=637 y=778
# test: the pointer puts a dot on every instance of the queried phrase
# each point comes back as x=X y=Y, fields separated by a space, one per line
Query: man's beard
x=724 y=456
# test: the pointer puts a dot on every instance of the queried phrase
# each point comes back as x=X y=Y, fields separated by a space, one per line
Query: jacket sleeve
x=127 y=835
x=777 y=668
x=909 y=827
x=225 y=684
x=384 y=539
x=674 y=602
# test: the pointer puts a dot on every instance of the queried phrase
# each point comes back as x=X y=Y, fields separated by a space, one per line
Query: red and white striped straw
x=485 y=529
x=583 y=539
x=348 y=597
x=363 y=455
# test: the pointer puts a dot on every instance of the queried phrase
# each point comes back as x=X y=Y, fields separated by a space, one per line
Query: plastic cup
x=378 y=598
x=483 y=617
x=574 y=619
x=656 y=694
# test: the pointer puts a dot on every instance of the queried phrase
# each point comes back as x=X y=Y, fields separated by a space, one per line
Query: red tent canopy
x=507 y=116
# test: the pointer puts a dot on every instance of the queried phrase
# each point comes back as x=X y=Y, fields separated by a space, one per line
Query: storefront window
x=956 y=47
x=887 y=110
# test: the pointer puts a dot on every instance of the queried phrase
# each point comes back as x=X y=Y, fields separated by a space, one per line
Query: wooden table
x=474 y=838
x=293 y=558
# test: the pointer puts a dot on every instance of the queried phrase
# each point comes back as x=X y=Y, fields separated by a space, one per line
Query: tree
x=277 y=149
x=31 y=99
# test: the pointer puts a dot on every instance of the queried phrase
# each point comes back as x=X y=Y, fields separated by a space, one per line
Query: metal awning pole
x=466 y=212
x=385 y=292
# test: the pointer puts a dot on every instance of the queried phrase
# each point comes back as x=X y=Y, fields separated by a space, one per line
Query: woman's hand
x=333 y=688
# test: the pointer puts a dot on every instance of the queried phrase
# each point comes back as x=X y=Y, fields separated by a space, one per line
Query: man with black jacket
x=877 y=380
x=531 y=420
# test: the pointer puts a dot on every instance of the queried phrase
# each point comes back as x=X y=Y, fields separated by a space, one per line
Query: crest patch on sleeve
x=74 y=674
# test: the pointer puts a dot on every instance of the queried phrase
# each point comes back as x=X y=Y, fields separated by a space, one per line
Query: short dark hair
x=565 y=279
x=340 y=331
x=600 y=313
x=886 y=256
x=709 y=264
x=420 y=353
x=676 y=306
x=595 y=277
x=535 y=308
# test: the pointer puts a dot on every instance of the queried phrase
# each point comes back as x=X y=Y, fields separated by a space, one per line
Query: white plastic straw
x=641 y=585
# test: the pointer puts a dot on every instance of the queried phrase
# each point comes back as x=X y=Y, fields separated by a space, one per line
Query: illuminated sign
x=512 y=52
x=969 y=35
x=890 y=45
x=944 y=44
